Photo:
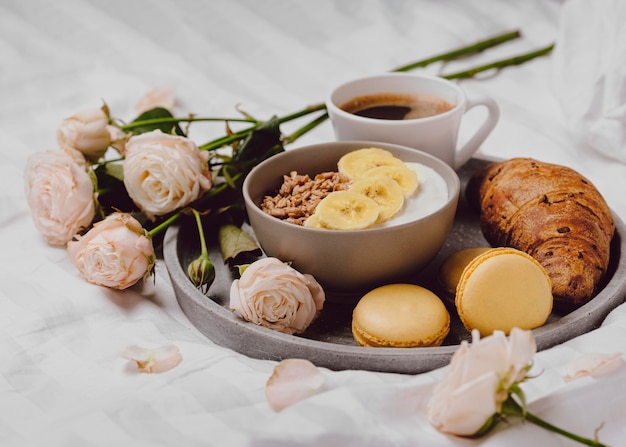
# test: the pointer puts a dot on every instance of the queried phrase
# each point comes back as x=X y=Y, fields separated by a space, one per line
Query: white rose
x=272 y=294
x=86 y=132
x=478 y=381
x=164 y=172
x=60 y=194
x=115 y=253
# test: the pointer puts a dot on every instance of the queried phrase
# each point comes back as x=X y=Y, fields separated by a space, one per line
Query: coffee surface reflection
x=391 y=106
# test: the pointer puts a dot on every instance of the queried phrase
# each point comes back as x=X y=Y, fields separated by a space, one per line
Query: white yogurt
x=431 y=194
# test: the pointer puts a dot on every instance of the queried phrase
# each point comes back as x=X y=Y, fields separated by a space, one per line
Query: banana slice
x=354 y=164
x=403 y=176
x=345 y=210
x=313 y=221
x=384 y=191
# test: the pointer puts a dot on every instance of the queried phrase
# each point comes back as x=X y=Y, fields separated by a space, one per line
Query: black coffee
x=392 y=106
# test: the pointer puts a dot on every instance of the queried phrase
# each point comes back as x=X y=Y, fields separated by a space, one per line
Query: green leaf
x=259 y=145
x=235 y=243
x=115 y=170
x=487 y=426
x=112 y=194
x=157 y=115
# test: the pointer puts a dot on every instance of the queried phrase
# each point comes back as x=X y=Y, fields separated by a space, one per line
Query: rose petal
x=594 y=364
x=292 y=381
x=154 y=360
x=159 y=97
x=464 y=410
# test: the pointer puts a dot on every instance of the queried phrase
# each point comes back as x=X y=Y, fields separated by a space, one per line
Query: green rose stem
x=450 y=55
x=189 y=119
x=304 y=129
x=163 y=225
x=516 y=60
x=512 y=408
x=201 y=270
x=464 y=51
x=236 y=136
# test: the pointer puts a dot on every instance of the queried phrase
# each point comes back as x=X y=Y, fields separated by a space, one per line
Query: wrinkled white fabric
x=589 y=73
x=62 y=381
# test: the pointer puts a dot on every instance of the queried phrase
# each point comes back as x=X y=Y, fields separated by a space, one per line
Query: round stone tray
x=328 y=341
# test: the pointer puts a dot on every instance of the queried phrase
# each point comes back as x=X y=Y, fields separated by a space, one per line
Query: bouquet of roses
x=100 y=207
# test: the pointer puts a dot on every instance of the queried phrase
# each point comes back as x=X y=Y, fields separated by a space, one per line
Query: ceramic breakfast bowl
x=347 y=262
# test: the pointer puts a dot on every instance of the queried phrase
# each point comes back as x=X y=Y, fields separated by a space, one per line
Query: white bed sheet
x=62 y=382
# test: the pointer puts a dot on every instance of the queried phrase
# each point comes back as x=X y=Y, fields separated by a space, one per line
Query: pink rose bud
x=201 y=271
x=86 y=132
x=164 y=97
x=479 y=379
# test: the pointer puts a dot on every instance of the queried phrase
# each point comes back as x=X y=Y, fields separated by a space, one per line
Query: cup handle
x=465 y=153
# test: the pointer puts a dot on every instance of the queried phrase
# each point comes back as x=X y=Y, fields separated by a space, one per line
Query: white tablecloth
x=62 y=382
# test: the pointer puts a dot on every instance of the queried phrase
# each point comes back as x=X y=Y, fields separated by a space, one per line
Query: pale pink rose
x=155 y=360
x=164 y=172
x=115 y=253
x=478 y=381
x=595 y=364
x=159 y=97
x=292 y=381
x=86 y=132
x=272 y=294
x=60 y=194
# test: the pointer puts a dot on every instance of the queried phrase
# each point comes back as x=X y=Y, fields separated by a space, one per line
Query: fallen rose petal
x=292 y=381
x=594 y=364
x=154 y=360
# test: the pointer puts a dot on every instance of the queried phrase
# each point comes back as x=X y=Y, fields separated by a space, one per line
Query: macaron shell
x=452 y=267
x=501 y=289
x=400 y=315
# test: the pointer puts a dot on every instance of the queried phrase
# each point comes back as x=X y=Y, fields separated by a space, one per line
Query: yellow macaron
x=400 y=315
x=452 y=267
x=501 y=289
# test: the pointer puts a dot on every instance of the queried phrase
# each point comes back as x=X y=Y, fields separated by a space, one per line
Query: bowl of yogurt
x=305 y=207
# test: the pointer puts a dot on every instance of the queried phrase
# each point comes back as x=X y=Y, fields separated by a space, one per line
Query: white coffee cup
x=436 y=134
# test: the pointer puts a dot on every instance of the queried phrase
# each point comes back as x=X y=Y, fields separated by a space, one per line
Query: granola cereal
x=298 y=195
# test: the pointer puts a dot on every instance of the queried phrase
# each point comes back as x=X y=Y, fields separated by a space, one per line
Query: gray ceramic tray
x=328 y=342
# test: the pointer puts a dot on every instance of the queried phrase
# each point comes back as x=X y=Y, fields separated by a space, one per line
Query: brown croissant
x=552 y=213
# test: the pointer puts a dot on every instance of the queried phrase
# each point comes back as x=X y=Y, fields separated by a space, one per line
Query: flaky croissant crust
x=552 y=213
